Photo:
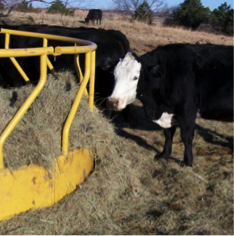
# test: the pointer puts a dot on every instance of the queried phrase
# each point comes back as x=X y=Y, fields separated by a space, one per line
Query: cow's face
x=127 y=74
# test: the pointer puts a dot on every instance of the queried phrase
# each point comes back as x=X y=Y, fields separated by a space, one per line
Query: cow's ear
x=156 y=70
x=108 y=64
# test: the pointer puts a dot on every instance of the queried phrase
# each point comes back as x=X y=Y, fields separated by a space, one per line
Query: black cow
x=176 y=83
x=112 y=45
x=10 y=75
x=94 y=14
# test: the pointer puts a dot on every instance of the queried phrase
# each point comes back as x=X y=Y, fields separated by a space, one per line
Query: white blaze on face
x=127 y=73
x=166 y=120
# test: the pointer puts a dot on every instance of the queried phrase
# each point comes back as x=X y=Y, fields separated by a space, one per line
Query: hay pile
x=37 y=137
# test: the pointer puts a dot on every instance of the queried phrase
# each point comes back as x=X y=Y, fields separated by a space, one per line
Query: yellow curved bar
x=86 y=45
x=33 y=186
x=79 y=72
x=24 y=107
x=75 y=104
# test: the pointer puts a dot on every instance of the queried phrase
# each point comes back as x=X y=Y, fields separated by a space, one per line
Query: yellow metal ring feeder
x=31 y=187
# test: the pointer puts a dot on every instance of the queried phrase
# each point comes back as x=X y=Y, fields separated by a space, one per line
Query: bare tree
x=132 y=5
x=9 y=5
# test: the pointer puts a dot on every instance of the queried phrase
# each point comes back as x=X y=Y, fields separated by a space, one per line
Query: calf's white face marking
x=166 y=120
x=127 y=73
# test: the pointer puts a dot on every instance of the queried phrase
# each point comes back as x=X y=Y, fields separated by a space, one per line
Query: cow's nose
x=112 y=103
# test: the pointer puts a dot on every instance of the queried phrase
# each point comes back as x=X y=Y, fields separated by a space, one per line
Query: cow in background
x=94 y=14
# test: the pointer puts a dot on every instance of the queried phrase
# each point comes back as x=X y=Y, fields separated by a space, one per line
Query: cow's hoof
x=160 y=156
x=183 y=164
x=161 y=159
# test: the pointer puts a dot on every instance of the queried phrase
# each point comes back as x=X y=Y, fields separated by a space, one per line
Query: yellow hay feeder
x=31 y=187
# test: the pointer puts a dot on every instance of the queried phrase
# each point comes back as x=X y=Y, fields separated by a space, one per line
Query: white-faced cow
x=175 y=83
x=94 y=14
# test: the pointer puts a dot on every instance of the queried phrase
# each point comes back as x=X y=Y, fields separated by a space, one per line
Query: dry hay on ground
x=127 y=193
x=37 y=137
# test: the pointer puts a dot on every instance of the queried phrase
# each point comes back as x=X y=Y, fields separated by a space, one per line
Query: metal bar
x=80 y=42
x=73 y=50
x=7 y=40
x=19 y=68
x=49 y=64
x=15 y=120
x=45 y=42
x=92 y=80
x=79 y=72
x=26 y=52
x=65 y=141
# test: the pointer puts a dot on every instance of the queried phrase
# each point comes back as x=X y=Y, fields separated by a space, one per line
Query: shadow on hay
x=140 y=141
x=211 y=136
x=139 y=121
x=81 y=21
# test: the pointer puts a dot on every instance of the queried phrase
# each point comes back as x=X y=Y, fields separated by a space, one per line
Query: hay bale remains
x=37 y=137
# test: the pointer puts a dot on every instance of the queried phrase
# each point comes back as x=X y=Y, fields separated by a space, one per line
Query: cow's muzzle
x=112 y=103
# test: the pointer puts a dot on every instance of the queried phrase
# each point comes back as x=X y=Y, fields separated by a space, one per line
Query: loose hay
x=37 y=137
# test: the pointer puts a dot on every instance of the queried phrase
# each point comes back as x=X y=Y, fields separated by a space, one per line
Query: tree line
x=192 y=14
x=56 y=7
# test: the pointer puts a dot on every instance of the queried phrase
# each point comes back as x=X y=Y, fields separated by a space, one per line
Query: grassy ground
x=127 y=193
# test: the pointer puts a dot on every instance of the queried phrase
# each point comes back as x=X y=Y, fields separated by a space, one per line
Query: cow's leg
x=187 y=124
x=169 y=134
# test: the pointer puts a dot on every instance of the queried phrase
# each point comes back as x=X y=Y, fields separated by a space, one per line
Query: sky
x=212 y=4
x=108 y=4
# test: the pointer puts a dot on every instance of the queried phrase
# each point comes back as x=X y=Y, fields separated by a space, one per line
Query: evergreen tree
x=219 y=15
x=222 y=18
x=229 y=22
x=143 y=13
x=190 y=13
x=59 y=7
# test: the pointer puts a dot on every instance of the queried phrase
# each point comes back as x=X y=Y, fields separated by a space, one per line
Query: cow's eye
x=135 y=78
